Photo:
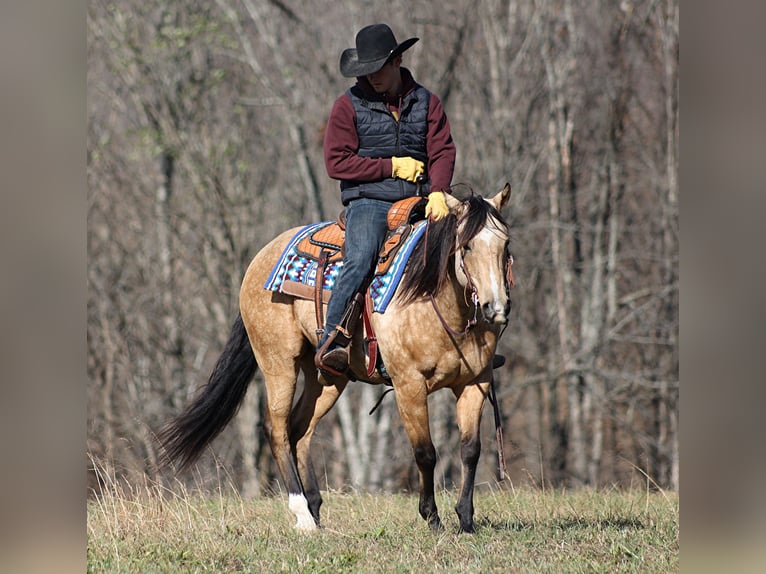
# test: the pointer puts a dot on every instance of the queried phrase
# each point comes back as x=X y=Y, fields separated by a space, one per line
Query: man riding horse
x=440 y=331
x=383 y=134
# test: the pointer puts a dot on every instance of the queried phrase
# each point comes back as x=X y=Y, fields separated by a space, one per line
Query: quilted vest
x=380 y=135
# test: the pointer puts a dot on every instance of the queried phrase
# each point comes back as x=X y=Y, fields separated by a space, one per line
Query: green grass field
x=518 y=530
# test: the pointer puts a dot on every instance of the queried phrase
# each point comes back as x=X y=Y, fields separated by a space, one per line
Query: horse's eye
x=467 y=247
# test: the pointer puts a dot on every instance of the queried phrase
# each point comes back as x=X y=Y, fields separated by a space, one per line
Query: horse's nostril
x=495 y=312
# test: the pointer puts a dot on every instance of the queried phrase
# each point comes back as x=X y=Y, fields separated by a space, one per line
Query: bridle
x=471 y=292
x=470 y=288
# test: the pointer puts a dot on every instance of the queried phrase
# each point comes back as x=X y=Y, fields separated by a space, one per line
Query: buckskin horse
x=440 y=331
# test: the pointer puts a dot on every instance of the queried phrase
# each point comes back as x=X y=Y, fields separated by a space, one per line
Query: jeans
x=366 y=229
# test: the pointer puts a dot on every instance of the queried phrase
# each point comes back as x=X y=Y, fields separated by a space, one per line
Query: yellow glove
x=406 y=168
x=436 y=208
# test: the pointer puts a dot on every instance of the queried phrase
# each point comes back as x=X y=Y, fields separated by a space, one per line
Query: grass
x=518 y=530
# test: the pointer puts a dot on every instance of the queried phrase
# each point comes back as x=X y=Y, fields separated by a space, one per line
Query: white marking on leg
x=299 y=506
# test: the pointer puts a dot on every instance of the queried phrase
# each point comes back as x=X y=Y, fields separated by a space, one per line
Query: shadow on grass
x=617 y=522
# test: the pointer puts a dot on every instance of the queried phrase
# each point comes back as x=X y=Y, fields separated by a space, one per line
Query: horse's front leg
x=470 y=401
x=412 y=402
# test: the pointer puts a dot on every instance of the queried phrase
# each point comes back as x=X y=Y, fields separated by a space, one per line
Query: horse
x=440 y=331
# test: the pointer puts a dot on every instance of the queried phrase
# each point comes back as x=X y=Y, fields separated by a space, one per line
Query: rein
x=498 y=426
x=470 y=287
x=474 y=299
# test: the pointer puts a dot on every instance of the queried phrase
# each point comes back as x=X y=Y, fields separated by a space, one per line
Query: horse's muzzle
x=496 y=312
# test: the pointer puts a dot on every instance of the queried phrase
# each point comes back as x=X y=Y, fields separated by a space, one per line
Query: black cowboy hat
x=375 y=45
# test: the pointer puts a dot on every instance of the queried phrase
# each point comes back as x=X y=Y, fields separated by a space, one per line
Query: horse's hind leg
x=313 y=404
x=470 y=401
x=280 y=369
x=412 y=402
x=280 y=392
x=273 y=324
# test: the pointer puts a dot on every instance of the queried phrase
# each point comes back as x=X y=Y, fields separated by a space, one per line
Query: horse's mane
x=428 y=266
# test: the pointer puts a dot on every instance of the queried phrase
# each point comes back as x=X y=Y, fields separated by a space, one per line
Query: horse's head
x=482 y=258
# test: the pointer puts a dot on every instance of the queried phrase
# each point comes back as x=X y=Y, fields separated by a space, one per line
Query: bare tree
x=205 y=141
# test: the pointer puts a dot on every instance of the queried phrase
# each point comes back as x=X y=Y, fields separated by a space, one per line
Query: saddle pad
x=292 y=266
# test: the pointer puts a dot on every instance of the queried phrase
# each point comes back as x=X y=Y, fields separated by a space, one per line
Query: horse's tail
x=185 y=437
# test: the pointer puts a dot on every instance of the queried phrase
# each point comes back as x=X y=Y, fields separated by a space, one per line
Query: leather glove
x=436 y=208
x=406 y=168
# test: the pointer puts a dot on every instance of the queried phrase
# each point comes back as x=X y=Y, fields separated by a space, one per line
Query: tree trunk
x=248 y=422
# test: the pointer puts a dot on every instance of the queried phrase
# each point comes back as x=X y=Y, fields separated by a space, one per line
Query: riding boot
x=332 y=355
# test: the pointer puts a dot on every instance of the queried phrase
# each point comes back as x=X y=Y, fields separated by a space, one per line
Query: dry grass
x=151 y=529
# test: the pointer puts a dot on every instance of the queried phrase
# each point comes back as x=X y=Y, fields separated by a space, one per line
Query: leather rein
x=470 y=288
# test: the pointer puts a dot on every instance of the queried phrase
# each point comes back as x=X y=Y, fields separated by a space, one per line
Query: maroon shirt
x=341 y=141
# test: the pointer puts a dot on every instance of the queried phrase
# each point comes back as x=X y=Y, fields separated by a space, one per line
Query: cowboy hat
x=375 y=45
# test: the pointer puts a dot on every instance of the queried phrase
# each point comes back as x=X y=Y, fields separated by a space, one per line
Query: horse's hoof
x=304 y=521
x=306 y=526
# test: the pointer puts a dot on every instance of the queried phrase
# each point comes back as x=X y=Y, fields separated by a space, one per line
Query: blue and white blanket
x=295 y=267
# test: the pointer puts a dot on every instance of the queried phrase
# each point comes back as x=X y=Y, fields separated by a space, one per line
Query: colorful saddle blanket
x=294 y=267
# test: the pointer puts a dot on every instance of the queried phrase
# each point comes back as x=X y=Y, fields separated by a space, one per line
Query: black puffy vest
x=380 y=135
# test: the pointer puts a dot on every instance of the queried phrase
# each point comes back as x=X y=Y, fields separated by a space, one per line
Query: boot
x=335 y=361
x=332 y=356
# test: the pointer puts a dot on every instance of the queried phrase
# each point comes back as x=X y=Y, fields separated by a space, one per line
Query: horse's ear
x=452 y=202
x=501 y=199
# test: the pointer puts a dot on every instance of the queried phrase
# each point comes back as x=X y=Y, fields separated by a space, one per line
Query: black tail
x=185 y=437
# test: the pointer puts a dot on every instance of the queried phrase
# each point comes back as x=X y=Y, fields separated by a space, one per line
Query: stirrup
x=325 y=349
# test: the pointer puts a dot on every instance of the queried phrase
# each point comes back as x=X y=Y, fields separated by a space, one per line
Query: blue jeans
x=366 y=229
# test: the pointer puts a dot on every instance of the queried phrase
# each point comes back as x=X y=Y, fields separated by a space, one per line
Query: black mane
x=429 y=263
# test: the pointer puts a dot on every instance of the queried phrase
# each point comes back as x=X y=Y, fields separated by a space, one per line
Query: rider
x=382 y=134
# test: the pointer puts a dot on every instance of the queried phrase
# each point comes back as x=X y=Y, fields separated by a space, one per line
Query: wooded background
x=205 y=126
